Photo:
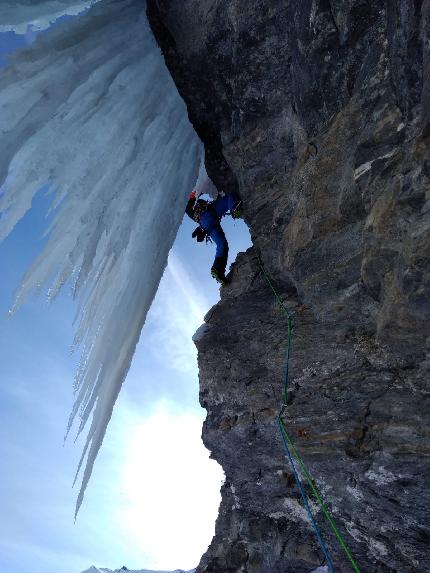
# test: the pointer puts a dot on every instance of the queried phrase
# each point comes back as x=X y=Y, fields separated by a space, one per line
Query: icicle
x=91 y=110
x=204 y=185
x=18 y=15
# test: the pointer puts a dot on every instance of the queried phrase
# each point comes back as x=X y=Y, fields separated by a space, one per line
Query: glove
x=199 y=234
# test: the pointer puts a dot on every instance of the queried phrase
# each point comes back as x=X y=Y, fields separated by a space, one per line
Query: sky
x=153 y=497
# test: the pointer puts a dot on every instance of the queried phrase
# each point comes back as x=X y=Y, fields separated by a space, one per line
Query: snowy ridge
x=124 y=570
x=112 y=139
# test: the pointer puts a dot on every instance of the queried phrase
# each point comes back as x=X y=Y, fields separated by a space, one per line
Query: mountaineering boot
x=218 y=275
x=237 y=212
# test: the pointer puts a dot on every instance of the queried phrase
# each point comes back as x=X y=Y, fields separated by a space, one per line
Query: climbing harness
x=294 y=457
x=200 y=206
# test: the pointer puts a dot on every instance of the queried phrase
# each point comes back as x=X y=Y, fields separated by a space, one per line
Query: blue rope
x=306 y=500
x=281 y=427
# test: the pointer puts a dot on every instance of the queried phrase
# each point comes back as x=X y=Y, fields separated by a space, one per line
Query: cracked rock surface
x=318 y=113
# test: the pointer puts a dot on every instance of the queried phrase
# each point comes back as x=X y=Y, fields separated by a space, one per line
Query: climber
x=208 y=214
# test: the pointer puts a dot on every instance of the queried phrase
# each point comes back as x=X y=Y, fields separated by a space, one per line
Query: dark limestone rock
x=318 y=112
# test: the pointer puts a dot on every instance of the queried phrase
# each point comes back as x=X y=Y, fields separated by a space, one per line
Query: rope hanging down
x=292 y=453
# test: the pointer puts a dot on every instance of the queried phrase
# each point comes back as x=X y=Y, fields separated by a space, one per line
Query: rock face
x=318 y=112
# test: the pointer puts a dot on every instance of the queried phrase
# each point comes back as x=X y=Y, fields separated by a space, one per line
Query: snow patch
x=364 y=167
x=381 y=477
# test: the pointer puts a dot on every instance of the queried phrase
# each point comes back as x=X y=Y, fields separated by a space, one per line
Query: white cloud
x=171 y=489
x=183 y=281
x=177 y=312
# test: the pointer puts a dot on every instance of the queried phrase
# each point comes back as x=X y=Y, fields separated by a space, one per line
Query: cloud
x=176 y=313
x=171 y=488
x=183 y=281
x=18 y=554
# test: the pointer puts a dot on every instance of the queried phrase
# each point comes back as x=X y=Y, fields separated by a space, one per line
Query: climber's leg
x=223 y=204
x=221 y=255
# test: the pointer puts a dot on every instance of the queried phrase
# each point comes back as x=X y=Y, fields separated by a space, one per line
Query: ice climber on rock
x=208 y=214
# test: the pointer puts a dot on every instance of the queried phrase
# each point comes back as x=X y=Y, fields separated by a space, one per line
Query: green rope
x=289 y=334
x=311 y=482
x=328 y=515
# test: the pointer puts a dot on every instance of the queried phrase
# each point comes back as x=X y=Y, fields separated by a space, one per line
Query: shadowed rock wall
x=318 y=112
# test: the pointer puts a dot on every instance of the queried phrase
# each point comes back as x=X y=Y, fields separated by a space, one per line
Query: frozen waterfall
x=90 y=111
x=18 y=15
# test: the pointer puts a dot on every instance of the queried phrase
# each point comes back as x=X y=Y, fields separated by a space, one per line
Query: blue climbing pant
x=221 y=255
x=224 y=204
x=210 y=222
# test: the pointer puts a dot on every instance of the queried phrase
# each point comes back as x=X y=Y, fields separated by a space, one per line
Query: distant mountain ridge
x=124 y=569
